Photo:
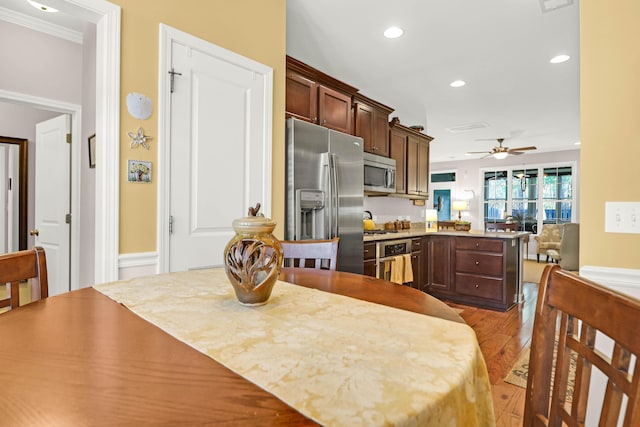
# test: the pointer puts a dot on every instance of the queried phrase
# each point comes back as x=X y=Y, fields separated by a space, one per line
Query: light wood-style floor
x=502 y=337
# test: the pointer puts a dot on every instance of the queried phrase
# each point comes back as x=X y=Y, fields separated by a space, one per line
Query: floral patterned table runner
x=335 y=359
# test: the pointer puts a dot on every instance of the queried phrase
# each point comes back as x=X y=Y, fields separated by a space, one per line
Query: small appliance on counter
x=368 y=222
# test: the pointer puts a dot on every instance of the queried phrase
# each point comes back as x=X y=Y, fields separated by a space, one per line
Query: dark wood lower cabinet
x=416 y=263
x=439 y=259
x=479 y=271
x=369 y=259
x=482 y=271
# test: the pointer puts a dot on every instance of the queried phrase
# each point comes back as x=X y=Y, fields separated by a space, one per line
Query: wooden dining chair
x=580 y=319
x=16 y=267
x=311 y=253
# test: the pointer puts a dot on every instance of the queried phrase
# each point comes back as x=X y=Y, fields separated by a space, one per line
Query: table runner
x=338 y=360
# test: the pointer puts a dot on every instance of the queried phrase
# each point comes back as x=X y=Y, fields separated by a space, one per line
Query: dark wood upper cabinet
x=415 y=162
x=371 y=123
x=334 y=109
x=398 y=151
x=318 y=98
x=302 y=97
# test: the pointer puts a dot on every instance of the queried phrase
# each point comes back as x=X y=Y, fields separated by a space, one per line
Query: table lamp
x=431 y=218
x=459 y=205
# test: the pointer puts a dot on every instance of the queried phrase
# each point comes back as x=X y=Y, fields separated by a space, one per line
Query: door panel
x=52 y=199
x=218 y=154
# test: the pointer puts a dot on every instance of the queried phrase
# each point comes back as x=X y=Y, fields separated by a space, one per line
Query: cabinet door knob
x=477 y=262
x=477 y=286
x=477 y=245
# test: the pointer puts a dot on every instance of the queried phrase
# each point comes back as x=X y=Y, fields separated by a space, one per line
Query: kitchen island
x=477 y=268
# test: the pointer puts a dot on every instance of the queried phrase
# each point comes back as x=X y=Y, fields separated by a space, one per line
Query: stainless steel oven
x=386 y=251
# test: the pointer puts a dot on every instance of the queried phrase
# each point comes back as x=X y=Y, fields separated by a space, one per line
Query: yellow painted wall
x=610 y=127
x=253 y=28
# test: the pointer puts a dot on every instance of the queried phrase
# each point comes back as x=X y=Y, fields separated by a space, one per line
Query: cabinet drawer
x=478 y=286
x=479 y=263
x=416 y=245
x=369 y=251
x=479 y=244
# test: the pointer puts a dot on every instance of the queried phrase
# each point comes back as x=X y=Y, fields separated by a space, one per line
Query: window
x=557 y=195
x=532 y=196
x=524 y=198
x=443 y=177
x=495 y=196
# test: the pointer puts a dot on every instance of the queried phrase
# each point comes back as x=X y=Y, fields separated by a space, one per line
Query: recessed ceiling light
x=393 y=32
x=41 y=7
x=457 y=83
x=559 y=59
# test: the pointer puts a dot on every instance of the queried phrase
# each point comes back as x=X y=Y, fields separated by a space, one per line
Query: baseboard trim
x=137 y=264
x=625 y=280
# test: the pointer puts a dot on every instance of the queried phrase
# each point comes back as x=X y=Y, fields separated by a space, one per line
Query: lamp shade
x=431 y=218
x=431 y=215
x=459 y=205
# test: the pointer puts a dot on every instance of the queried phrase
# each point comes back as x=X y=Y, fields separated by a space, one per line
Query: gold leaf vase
x=253 y=259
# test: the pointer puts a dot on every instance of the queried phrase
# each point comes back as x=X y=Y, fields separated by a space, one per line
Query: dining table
x=328 y=348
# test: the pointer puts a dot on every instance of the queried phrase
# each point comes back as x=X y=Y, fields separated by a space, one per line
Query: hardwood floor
x=502 y=337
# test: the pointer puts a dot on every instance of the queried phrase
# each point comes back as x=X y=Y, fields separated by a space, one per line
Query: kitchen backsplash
x=386 y=209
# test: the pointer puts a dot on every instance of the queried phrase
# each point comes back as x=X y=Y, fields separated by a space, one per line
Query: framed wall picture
x=139 y=171
x=92 y=151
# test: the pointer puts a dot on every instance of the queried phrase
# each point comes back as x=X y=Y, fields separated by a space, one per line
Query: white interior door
x=52 y=199
x=220 y=153
x=4 y=199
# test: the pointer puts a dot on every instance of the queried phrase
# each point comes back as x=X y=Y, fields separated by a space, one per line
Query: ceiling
x=501 y=48
x=21 y=7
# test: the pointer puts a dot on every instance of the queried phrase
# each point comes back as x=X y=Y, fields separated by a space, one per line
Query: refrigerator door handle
x=333 y=196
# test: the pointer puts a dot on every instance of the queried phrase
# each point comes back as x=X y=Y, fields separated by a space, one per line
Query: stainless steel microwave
x=379 y=174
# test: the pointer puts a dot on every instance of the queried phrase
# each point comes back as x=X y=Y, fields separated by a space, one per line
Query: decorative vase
x=253 y=259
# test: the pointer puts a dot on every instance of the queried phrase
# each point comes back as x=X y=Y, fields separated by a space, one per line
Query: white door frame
x=75 y=111
x=106 y=16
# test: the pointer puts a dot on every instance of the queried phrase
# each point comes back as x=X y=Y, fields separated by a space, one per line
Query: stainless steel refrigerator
x=324 y=194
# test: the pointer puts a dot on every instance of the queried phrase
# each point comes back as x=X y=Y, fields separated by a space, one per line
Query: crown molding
x=40 y=25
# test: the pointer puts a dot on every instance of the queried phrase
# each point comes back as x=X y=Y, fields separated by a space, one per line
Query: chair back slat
x=576 y=322
x=16 y=267
x=311 y=253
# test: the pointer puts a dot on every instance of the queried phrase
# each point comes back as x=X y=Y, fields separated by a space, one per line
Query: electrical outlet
x=622 y=217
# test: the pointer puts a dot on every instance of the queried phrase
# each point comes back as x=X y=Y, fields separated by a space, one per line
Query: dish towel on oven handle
x=401 y=269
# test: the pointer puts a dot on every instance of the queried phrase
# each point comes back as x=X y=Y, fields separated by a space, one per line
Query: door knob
x=35 y=232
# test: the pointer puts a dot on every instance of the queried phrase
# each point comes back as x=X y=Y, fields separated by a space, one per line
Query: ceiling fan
x=501 y=152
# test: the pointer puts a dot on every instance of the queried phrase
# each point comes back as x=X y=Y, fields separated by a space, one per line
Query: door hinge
x=170 y=224
x=68 y=138
x=67 y=218
x=173 y=75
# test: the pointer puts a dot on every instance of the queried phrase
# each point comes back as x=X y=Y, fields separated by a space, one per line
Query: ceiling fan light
x=500 y=155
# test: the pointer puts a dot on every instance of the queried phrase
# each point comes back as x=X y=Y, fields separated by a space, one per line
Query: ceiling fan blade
x=516 y=153
x=522 y=149
x=479 y=152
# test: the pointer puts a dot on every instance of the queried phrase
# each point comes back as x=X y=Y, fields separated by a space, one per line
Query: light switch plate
x=622 y=217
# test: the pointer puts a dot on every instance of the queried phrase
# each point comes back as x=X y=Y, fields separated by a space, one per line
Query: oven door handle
x=389 y=258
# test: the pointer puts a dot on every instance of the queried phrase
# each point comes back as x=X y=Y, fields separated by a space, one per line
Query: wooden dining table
x=82 y=358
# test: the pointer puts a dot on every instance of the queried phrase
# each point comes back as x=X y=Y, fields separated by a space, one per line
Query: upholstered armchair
x=567 y=255
x=549 y=238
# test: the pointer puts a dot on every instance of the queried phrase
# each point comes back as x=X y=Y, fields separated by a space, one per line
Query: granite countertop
x=420 y=230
